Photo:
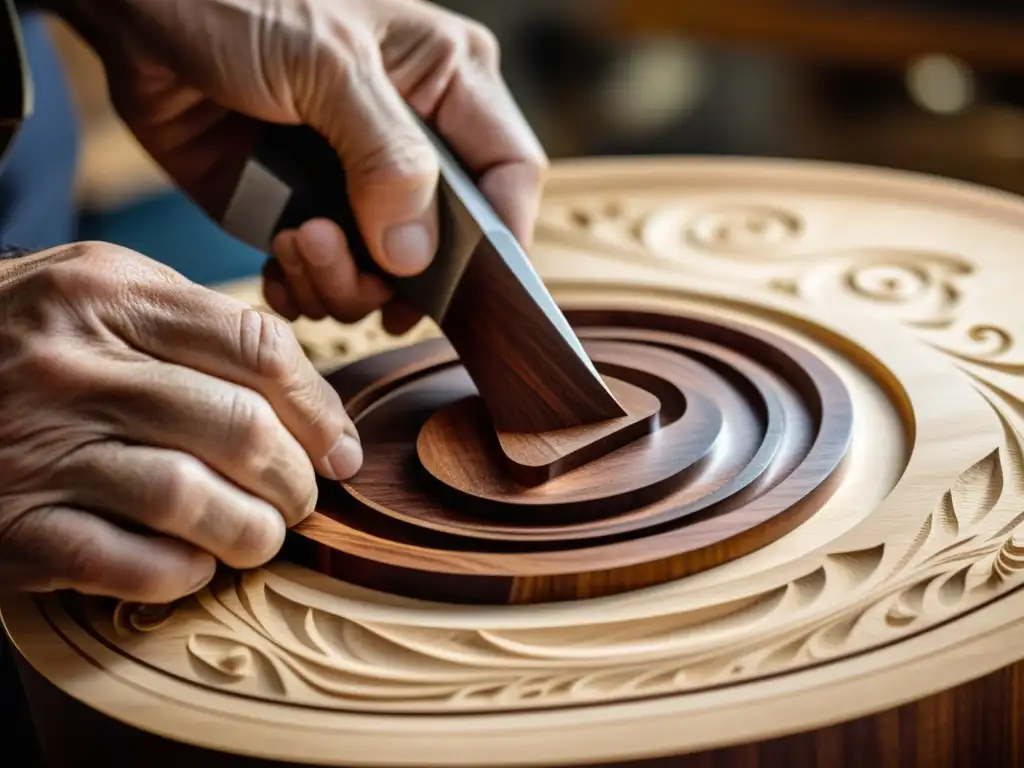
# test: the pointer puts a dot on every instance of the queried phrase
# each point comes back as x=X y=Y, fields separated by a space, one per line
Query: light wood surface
x=884 y=630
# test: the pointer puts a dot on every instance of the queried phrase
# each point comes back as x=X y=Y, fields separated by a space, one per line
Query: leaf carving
x=961 y=509
x=223 y=654
x=977 y=491
x=265 y=642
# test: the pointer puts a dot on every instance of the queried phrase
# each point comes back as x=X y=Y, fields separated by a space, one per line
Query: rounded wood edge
x=857 y=177
x=938 y=685
x=404 y=565
x=971 y=658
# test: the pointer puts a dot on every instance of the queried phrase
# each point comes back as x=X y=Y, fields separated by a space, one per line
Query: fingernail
x=204 y=579
x=319 y=241
x=344 y=459
x=407 y=248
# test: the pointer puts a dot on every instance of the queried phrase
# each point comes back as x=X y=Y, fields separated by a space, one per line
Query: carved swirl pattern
x=286 y=635
x=255 y=628
x=254 y=634
x=917 y=287
x=747 y=229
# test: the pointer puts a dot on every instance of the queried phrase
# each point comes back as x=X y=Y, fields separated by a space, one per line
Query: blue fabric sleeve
x=37 y=207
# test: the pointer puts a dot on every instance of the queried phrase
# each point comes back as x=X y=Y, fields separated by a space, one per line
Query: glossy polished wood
x=530 y=380
x=450 y=439
x=683 y=435
x=884 y=630
x=750 y=429
x=480 y=287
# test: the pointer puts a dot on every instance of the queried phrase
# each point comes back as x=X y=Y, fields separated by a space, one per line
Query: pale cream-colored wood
x=900 y=586
x=327 y=343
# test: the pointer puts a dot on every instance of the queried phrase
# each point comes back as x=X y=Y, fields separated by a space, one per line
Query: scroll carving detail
x=253 y=634
x=248 y=627
x=917 y=287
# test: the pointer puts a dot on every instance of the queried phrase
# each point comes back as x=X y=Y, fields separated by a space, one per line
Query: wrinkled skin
x=149 y=427
x=183 y=70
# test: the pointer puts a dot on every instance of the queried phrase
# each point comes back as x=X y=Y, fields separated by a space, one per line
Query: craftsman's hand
x=148 y=427
x=182 y=71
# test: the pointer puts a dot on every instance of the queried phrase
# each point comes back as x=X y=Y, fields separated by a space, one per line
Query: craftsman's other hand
x=182 y=72
x=149 y=427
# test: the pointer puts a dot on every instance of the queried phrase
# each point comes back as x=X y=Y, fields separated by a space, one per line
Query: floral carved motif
x=248 y=633
x=258 y=634
x=920 y=288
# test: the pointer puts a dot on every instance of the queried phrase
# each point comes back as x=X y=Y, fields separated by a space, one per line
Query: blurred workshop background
x=928 y=85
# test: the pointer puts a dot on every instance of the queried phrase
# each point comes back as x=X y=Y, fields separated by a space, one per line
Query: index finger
x=198 y=328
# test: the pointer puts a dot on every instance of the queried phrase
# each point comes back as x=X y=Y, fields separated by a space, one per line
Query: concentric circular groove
x=752 y=425
x=796 y=640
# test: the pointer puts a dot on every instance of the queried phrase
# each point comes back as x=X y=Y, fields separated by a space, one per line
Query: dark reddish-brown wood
x=477 y=471
x=955 y=728
x=453 y=441
x=530 y=378
x=751 y=433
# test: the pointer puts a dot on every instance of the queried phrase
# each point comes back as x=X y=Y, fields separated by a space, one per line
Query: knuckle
x=346 y=47
x=99 y=259
x=450 y=43
x=44 y=365
x=484 y=45
x=70 y=279
x=269 y=347
x=103 y=252
x=256 y=539
x=87 y=562
x=90 y=273
x=43 y=359
x=173 y=499
x=406 y=158
x=344 y=56
x=255 y=425
x=107 y=265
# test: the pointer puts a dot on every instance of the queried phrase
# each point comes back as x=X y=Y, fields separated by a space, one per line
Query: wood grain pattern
x=930 y=733
x=533 y=458
x=885 y=629
x=735 y=463
x=481 y=288
x=531 y=380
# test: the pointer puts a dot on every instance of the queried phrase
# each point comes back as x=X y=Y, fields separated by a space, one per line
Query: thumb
x=391 y=168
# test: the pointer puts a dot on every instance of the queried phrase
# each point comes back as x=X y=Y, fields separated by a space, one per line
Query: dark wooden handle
x=480 y=287
x=306 y=163
x=294 y=175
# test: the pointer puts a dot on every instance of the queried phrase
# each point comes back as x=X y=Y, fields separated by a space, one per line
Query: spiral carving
x=889 y=282
x=743 y=229
x=903 y=578
x=751 y=428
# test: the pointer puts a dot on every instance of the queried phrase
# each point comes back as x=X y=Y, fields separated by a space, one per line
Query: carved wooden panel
x=900 y=585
